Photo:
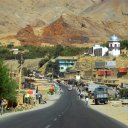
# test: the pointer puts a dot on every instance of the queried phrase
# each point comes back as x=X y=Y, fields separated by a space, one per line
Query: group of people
x=81 y=95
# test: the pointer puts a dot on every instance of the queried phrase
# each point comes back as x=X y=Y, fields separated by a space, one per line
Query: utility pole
x=91 y=70
x=52 y=74
x=21 y=61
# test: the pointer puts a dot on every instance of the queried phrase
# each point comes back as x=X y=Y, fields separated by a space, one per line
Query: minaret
x=114 y=46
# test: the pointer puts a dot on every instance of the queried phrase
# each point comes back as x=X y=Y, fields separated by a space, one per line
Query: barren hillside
x=96 y=19
x=72 y=29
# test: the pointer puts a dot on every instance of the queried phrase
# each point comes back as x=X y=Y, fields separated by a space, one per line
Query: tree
x=43 y=61
x=26 y=72
x=124 y=92
x=8 y=86
x=124 y=44
x=10 y=45
x=53 y=67
x=58 y=50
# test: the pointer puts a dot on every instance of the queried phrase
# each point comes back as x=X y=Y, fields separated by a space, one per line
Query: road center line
x=48 y=126
x=55 y=119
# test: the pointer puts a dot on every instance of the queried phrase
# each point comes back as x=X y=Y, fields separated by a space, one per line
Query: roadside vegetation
x=41 y=52
x=124 y=92
x=8 y=86
x=124 y=44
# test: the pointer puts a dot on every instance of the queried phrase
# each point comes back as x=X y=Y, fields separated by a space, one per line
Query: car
x=70 y=88
x=124 y=100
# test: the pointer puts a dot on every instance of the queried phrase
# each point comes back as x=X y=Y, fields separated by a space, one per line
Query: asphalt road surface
x=68 y=112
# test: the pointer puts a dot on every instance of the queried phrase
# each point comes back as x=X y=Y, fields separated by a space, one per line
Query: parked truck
x=100 y=95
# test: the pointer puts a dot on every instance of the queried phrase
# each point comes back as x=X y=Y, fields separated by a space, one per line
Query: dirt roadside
x=52 y=99
x=113 y=109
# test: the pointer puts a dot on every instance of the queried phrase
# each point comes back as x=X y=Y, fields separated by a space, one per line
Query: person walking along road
x=3 y=103
x=86 y=100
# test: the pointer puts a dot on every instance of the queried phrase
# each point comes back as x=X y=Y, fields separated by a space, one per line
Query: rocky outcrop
x=27 y=37
x=71 y=29
x=61 y=32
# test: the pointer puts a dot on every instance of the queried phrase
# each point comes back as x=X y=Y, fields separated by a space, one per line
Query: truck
x=101 y=95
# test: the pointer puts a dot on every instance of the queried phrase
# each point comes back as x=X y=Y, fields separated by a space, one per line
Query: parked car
x=124 y=100
x=70 y=88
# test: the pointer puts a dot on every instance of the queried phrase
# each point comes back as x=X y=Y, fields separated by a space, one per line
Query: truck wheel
x=96 y=103
x=105 y=102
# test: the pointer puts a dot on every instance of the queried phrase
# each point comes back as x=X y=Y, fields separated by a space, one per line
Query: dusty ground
x=51 y=100
x=114 y=109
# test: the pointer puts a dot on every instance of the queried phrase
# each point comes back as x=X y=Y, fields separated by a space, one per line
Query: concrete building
x=65 y=62
x=98 y=50
x=112 y=50
x=114 y=46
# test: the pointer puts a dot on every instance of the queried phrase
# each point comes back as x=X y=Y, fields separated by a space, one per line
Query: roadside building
x=106 y=72
x=112 y=50
x=64 y=62
x=124 y=52
x=98 y=50
x=114 y=46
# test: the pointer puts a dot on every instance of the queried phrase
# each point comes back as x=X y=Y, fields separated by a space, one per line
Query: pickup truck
x=124 y=100
x=100 y=95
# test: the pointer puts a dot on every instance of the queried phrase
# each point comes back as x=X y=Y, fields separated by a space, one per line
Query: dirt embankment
x=113 y=109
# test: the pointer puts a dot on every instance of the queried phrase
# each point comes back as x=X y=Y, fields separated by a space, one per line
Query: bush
x=124 y=92
x=42 y=52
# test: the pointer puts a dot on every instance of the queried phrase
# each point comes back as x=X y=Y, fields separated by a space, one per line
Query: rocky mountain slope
x=70 y=29
x=63 y=21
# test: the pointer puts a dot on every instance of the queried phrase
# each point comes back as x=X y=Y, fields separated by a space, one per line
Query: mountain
x=81 y=21
x=108 y=10
x=16 y=14
x=72 y=29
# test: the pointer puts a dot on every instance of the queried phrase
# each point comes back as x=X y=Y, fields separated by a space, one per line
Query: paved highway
x=68 y=112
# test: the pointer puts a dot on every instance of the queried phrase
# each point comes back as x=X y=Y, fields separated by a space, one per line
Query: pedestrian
x=39 y=98
x=3 y=103
x=60 y=91
x=78 y=93
x=86 y=100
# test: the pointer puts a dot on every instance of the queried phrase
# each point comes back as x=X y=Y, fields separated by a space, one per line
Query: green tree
x=10 y=45
x=8 y=86
x=124 y=44
x=58 y=50
x=53 y=68
x=124 y=92
x=43 y=61
x=26 y=71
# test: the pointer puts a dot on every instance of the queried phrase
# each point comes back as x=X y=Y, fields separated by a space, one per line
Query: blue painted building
x=65 y=62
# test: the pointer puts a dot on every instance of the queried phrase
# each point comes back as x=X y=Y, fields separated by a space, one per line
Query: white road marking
x=48 y=126
x=55 y=119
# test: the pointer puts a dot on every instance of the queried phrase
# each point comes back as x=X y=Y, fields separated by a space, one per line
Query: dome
x=114 y=38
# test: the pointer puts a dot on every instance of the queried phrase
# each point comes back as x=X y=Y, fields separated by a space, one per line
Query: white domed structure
x=114 y=46
x=114 y=38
